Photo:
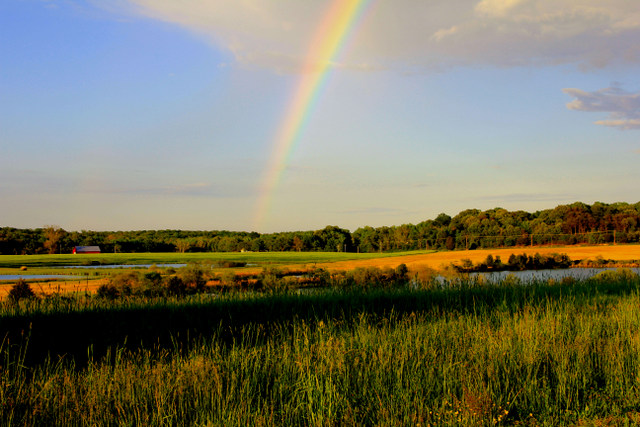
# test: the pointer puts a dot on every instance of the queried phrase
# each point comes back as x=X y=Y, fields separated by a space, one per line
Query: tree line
x=575 y=223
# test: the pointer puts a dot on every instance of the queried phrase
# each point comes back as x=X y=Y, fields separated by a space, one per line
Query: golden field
x=438 y=260
x=49 y=287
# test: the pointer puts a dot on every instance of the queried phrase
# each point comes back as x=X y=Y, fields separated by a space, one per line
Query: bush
x=373 y=277
x=425 y=277
x=229 y=264
x=466 y=263
x=228 y=279
x=108 y=291
x=150 y=284
x=270 y=279
x=125 y=283
x=153 y=284
x=193 y=278
x=402 y=272
x=317 y=276
x=175 y=286
x=21 y=290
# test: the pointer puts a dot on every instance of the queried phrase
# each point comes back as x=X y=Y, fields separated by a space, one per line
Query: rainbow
x=339 y=22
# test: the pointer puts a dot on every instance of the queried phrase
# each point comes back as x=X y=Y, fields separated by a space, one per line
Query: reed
x=469 y=354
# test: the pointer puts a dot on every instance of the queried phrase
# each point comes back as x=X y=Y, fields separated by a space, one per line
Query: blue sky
x=141 y=114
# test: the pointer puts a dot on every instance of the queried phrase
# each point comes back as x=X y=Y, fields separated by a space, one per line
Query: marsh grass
x=468 y=354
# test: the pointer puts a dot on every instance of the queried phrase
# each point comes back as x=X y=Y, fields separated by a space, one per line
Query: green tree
x=334 y=239
x=182 y=245
x=298 y=244
x=450 y=243
x=53 y=234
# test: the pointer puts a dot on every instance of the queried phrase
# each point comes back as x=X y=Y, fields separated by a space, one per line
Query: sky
x=164 y=114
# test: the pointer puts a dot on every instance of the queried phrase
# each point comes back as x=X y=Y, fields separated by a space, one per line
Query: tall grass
x=544 y=354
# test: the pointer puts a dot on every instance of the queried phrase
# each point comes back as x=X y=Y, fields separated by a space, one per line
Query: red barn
x=86 y=250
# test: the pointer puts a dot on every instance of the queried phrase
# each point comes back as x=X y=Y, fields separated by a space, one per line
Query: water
x=530 y=275
x=79 y=277
x=494 y=276
x=126 y=266
x=36 y=276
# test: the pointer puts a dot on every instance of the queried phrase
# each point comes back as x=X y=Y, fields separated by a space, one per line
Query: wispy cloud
x=32 y=181
x=373 y=210
x=623 y=107
x=527 y=197
x=198 y=189
x=412 y=35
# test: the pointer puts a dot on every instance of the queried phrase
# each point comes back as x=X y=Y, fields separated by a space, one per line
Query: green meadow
x=460 y=353
x=258 y=258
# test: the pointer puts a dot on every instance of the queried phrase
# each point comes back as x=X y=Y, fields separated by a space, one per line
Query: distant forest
x=577 y=223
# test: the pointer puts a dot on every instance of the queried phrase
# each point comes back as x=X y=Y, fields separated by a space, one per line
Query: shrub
x=369 y=277
x=125 y=282
x=150 y=284
x=230 y=264
x=317 y=276
x=108 y=291
x=229 y=278
x=269 y=279
x=402 y=272
x=466 y=263
x=424 y=276
x=497 y=262
x=175 y=286
x=193 y=278
x=21 y=290
x=489 y=261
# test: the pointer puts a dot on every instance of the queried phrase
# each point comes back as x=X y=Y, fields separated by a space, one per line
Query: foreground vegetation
x=456 y=353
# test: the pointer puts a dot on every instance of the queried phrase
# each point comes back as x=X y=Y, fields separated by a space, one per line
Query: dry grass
x=49 y=287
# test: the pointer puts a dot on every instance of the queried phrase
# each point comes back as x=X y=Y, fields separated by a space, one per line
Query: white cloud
x=415 y=34
x=441 y=34
x=623 y=107
x=621 y=123
x=497 y=7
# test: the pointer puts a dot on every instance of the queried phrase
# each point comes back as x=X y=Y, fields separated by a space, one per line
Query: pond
x=125 y=266
x=13 y=277
x=529 y=275
x=36 y=276
x=495 y=276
